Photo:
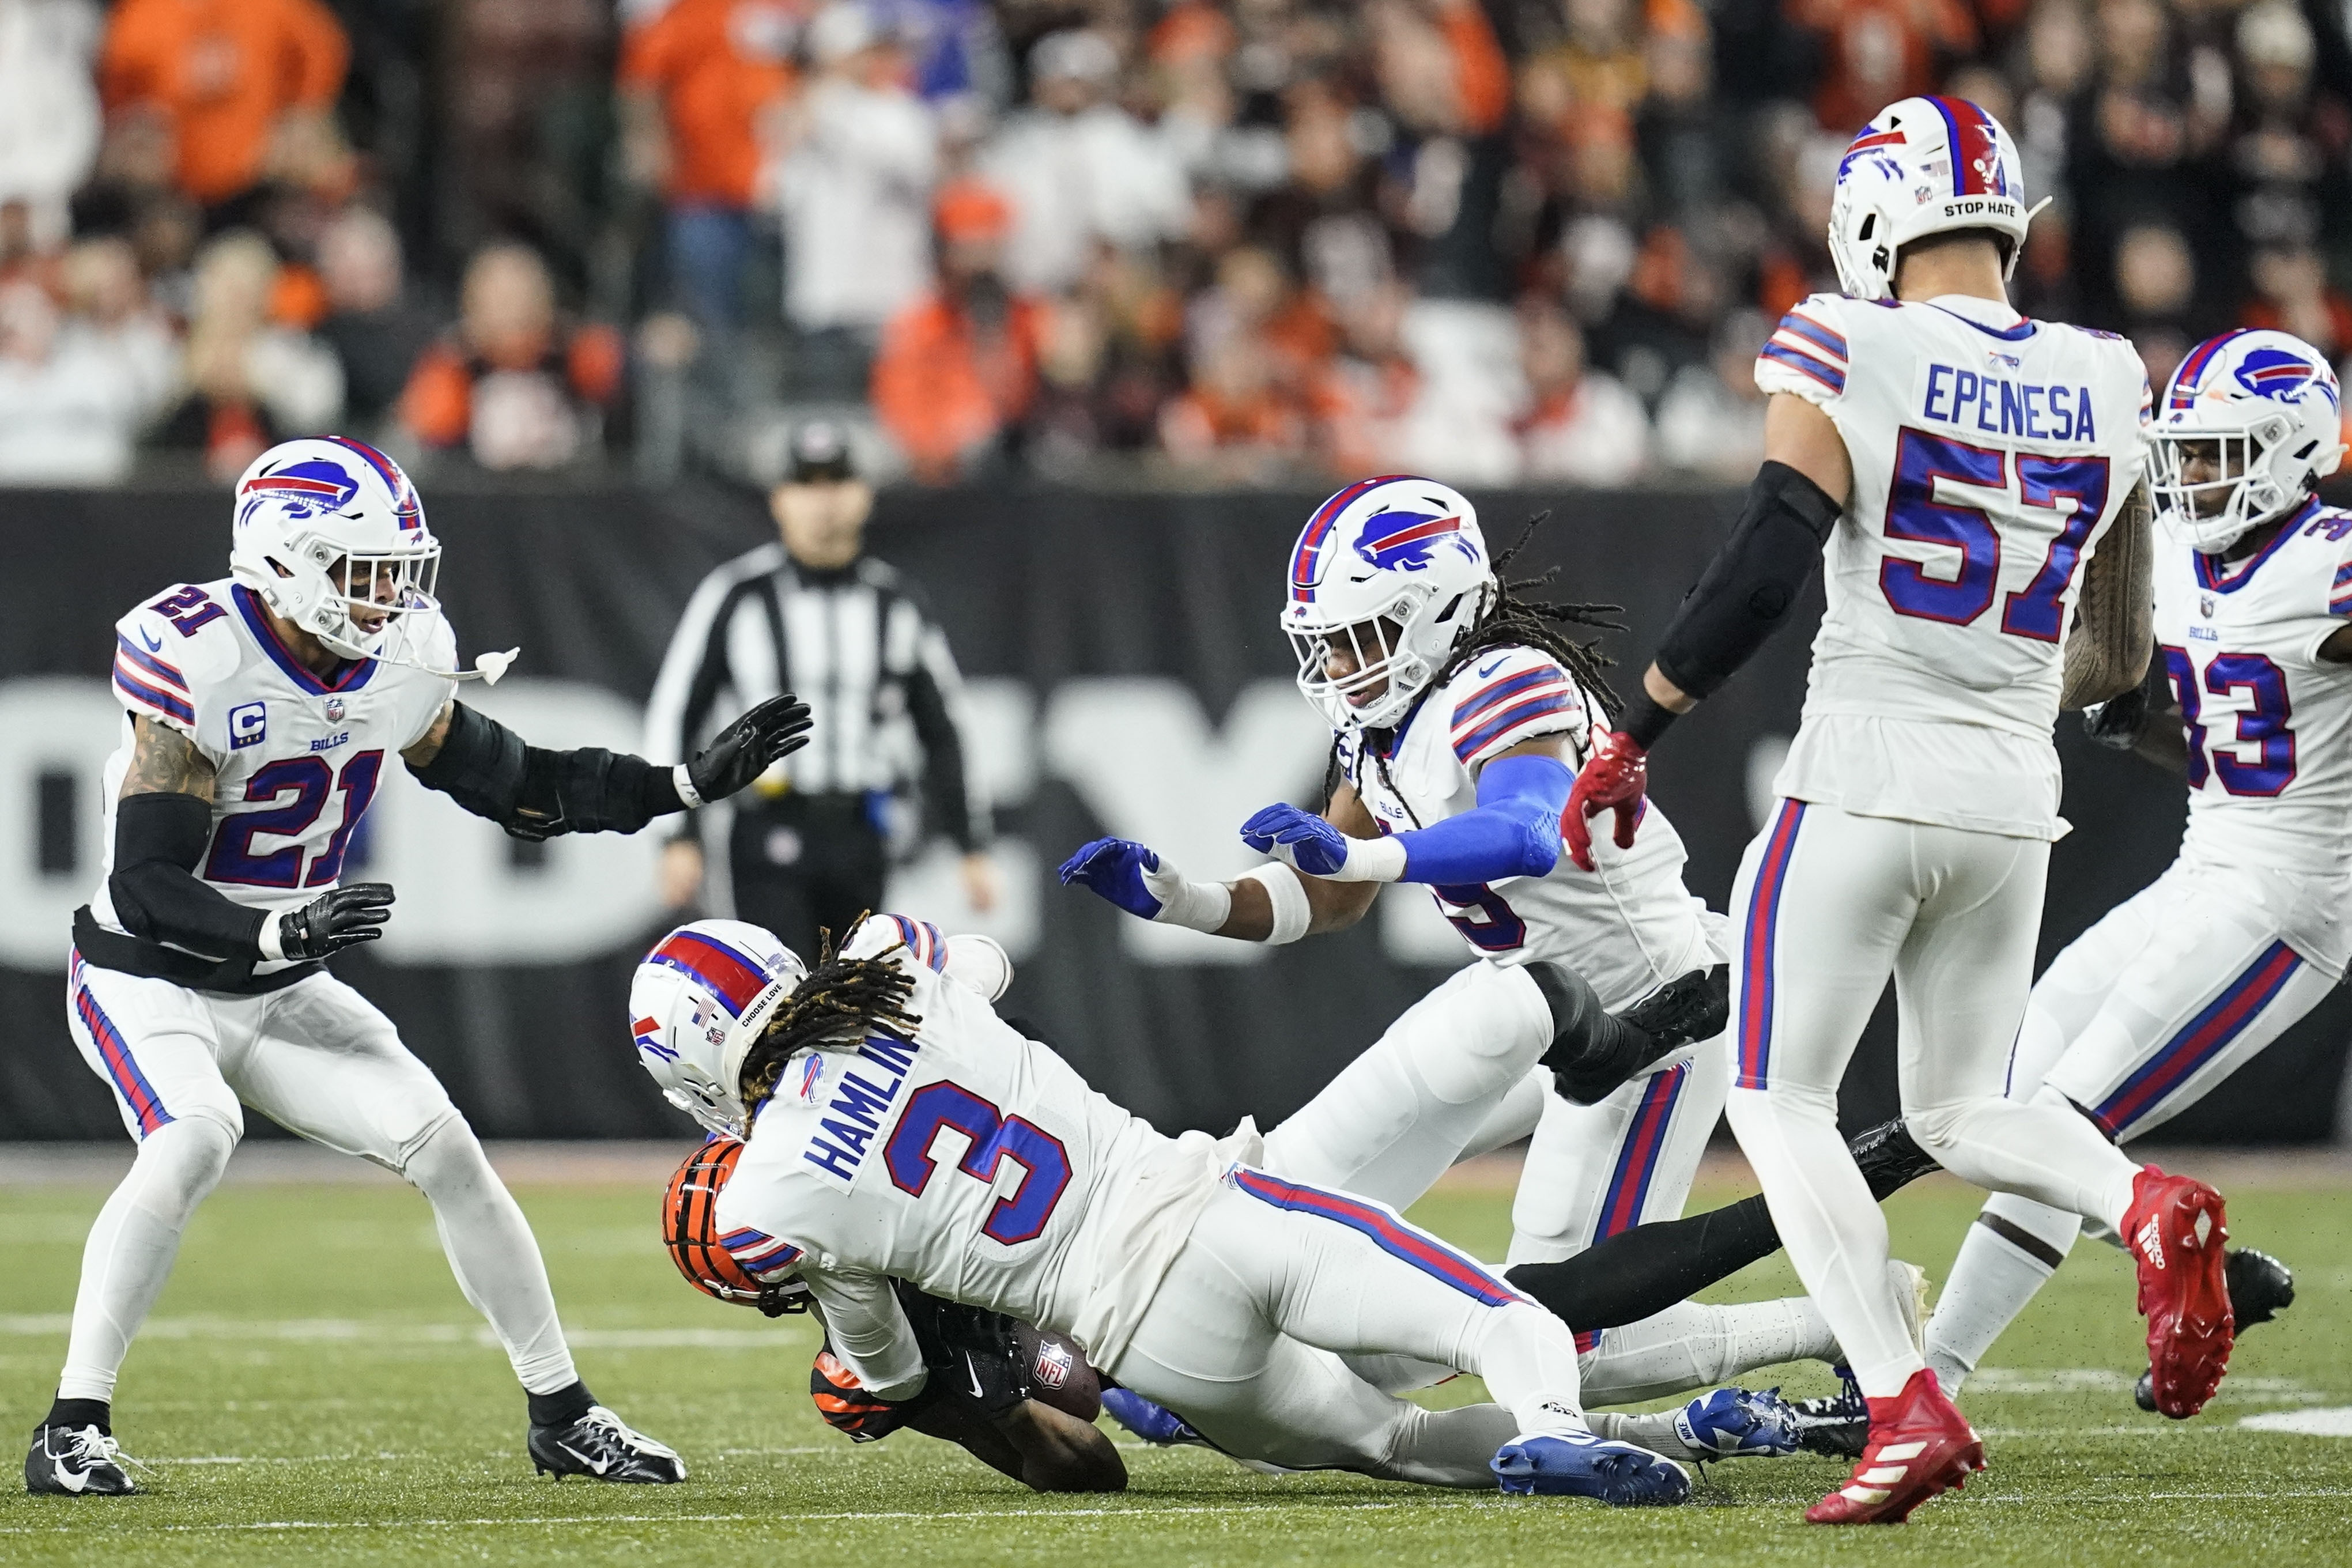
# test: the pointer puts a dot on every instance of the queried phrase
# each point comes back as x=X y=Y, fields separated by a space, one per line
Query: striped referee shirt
x=859 y=646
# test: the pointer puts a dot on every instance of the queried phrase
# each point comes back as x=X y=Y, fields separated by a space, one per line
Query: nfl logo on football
x=1054 y=1362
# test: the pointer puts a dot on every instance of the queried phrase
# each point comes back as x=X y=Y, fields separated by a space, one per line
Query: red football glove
x=1615 y=777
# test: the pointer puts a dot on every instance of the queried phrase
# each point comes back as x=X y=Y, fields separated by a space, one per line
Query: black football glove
x=334 y=921
x=743 y=750
x=971 y=1351
x=2117 y=722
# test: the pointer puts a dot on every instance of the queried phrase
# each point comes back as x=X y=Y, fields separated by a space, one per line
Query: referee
x=815 y=615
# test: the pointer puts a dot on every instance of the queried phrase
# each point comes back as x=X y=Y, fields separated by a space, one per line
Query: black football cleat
x=601 y=1446
x=1593 y=1053
x=76 y=1461
x=1685 y=1009
x=1836 y=1426
x=1889 y=1158
x=2261 y=1287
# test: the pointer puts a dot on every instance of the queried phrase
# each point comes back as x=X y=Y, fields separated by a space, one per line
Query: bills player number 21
x=1914 y=511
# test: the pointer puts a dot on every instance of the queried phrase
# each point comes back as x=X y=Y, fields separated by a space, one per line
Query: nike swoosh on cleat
x=596 y=1466
x=72 y=1480
x=970 y=1366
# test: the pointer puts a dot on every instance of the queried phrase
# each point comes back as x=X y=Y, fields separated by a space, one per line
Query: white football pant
x=1827 y=905
x=1456 y=1075
x=2141 y=1017
x=1276 y=1273
x=318 y=1058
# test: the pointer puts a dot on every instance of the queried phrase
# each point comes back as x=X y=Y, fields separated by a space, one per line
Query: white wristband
x=1373 y=859
x=684 y=782
x=271 y=944
x=1286 y=893
x=1196 y=905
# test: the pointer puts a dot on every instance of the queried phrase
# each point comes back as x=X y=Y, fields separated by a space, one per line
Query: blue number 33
x=1914 y=511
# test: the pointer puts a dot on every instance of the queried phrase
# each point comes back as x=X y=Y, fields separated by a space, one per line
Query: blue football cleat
x=1582 y=1464
x=1737 y=1424
x=1155 y=1424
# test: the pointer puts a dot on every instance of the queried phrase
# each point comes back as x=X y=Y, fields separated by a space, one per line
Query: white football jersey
x=298 y=758
x=1990 y=451
x=1627 y=929
x=2270 y=724
x=968 y=1160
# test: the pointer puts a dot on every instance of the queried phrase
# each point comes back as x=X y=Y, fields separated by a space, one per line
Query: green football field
x=312 y=1388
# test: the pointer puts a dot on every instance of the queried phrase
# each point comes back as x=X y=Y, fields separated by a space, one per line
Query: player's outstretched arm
x=534 y=793
x=2114 y=636
x=1272 y=903
x=2145 y=721
x=163 y=823
x=1741 y=601
x=1514 y=830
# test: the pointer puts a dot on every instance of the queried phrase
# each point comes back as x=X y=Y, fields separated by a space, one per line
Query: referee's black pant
x=802 y=863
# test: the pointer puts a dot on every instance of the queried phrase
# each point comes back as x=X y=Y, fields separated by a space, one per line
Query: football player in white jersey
x=1459 y=712
x=1961 y=466
x=2147 y=1011
x=897 y=1130
x=260 y=712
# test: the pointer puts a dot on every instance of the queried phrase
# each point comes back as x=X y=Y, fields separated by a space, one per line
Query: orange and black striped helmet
x=690 y=1231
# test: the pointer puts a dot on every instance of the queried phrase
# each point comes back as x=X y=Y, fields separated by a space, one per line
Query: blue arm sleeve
x=1514 y=832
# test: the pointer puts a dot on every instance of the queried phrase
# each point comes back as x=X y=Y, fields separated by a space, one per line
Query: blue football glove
x=1121 y=871
x=1300 y=840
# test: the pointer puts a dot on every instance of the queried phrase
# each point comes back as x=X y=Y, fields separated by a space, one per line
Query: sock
x=492 y=1252
x=561 y=1407
x=1638 y=1273
x=2013 y=1247
x=80 y=1413
x=132 y=1245
x=1530 y=1362
x=1693 y=1345
x=1654 y=1431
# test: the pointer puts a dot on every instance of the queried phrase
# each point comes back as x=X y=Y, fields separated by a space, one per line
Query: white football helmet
x=1394 y=572
x=2270 y=405
x=326 y=526
x=688 y=1005
x=1922 y=166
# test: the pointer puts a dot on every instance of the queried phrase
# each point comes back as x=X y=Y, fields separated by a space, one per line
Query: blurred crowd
x=1172 y=241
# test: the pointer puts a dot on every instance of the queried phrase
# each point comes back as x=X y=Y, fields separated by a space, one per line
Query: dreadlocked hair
x=836 y=1006
x=1511 y=619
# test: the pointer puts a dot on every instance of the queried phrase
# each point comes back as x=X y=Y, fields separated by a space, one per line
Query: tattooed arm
x=165 y=762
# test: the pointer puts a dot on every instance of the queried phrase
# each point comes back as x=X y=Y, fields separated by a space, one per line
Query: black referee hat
x=821 y=454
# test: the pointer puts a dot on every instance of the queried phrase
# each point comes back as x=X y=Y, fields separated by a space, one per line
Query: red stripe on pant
x=1637 y=1164
x=1757 y=944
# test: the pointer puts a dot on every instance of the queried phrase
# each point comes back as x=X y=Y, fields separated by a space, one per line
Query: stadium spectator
x=68 y=410
x=857 y=194
x=1079 y=169
x=1581 y=427
x=110 y=314
x=252 y=381
x=49 y=108
x=1876 y=51
x=376 y=331
x=241 y=90
x=1711 y=423
x=958 y=369
x=2155 y=286
x=513 y=385
x=701 y=83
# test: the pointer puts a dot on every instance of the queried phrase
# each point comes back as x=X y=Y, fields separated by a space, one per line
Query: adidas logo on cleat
x=2150 y=1240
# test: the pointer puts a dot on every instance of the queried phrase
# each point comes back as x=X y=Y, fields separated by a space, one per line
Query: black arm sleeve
x=534 y=793
x=1751 y=583
x=159 y=840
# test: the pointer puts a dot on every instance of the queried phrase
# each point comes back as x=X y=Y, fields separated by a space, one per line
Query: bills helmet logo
x=1406 y=541
x=305 y=490
x=647 y=1033
x=2276 y=374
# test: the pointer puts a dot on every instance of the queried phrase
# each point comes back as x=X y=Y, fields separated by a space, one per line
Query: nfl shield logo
x=1053 y=1363
x=2205 y=606
x=334 y=710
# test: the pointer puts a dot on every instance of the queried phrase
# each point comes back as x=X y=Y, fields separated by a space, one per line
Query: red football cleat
x=2175 y=1230
x=1919 y=1444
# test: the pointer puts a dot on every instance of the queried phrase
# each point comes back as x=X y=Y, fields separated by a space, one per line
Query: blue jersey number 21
x=1914 y=511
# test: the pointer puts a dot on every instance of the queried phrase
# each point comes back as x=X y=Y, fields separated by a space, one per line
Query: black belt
x=154 y=961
